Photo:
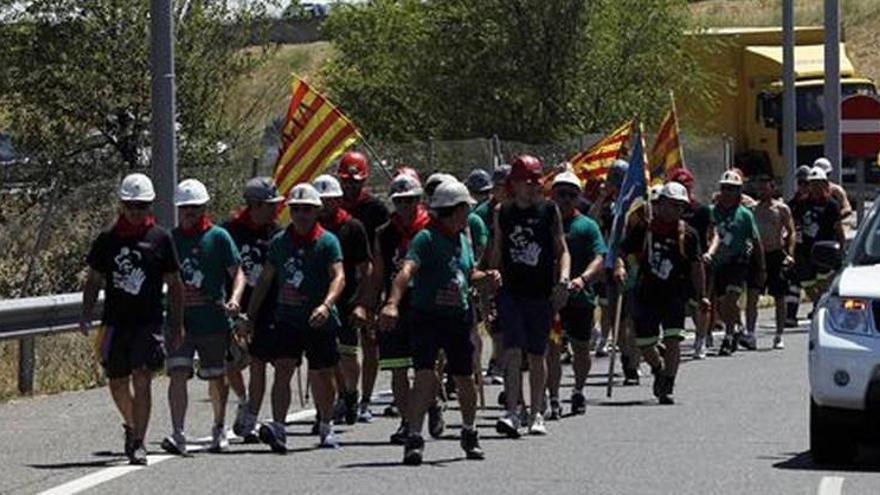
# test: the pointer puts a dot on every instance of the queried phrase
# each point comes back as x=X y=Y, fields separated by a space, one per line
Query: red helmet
x=353 y=166
x=403 y=169
x=526 y=167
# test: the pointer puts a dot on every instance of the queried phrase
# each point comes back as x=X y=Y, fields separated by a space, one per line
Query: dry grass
x=64 y=362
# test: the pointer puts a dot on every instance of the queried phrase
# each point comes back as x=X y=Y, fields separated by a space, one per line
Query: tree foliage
x=529 y=70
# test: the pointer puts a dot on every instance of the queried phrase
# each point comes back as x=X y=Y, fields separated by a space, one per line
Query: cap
x=730 y=178
x=136 y=187
x=802 y=172
x=527 y=168
x=817 y=173
x=500 y=174
x=451 y=193
x=263 y=190
x=354 y=166
x=191 y=192
x=567 y=178
x=824 y=164
x=304 y=194
x=478 y=181
x=675 y=191
x=328 y=186
x=405 y=186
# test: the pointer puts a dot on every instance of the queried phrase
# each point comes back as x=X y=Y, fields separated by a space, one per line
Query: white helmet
x=191 y=192
x=824 y=164
x=451 y=193
x=817 y=173
x=328 y=186
x=437 y=178
x=136 y=187
x=675 y=191
x=567 y=177
x=405 y=186
x=304 y=194
x=731 y=178
x=654 y=192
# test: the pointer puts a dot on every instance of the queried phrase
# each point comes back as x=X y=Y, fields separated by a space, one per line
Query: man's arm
x=233 y=305
x=267 y=274
x=495 y=251
x=563 y=257
x=175 y=297
x=788 y=223
x=389 y=314
x=94 y=281
x=337 y=284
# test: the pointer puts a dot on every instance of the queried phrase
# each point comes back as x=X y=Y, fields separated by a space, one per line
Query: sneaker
x=778 y=343
x=412 y=451
x=175 y=444
x=494 y=373
x=128 y=447
x=470 y=443
x=350 y=399
x=502 y=399
x=602 y=348
x=748 y=341
x=273 y=435
x=524 y=415
x=555 y=413
x=399 y=437
x=328 y=437
x=537 y=427
x=631 y=377
x=219 y=440
x=338 y=412
x=578 y=403
x=700 y=347
x=316 y=426
x=734 y=342
x=659 y=383
x=391 y=411
x=567 y=357
x=365 y=415
x=665 y=397
x=436 y=424
x=138 y=455
x=726 y=348
x=241 y=413
x=509 y=425
x=449 y=387
x=246 y=428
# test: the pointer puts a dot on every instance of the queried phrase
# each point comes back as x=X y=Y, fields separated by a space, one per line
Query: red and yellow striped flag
x=314 y=134
x=594 y=163
x=666 y=154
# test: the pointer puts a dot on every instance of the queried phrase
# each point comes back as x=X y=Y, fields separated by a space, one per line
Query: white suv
x=844 y=349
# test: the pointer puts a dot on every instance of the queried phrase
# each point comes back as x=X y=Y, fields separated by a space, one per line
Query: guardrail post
x=26 y=357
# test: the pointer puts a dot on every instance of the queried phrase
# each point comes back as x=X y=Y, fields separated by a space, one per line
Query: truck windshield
x=867 y=242
x=811 y=103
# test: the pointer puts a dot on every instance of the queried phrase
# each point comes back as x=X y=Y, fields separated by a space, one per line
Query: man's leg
x=467 y=398
x=537 y=381
x=142 y=402
x=218 y=390
x=235 y=379
x=513 y=378
x=582 y=362
x=752 y=296
x=400 y=387
x=284 y=369
x=324 y=391
x=370 y=350
x=178 y=399
x=120 y=390
x=256 y=385
x=779 y=303
x=554 y=369
x=422 y=395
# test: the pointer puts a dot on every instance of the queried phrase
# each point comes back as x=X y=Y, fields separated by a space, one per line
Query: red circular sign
x=860 y=126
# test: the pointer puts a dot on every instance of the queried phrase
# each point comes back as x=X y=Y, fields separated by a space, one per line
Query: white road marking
x=831 y=485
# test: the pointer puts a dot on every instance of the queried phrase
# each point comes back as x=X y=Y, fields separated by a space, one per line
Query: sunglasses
x=405 y=200
x=567 y=195
x=138 y=205
x=189 y=207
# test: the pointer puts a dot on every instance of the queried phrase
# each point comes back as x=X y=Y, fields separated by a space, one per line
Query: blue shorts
x=525 y=322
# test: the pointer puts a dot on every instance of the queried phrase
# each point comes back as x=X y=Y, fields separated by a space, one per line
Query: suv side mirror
x=827 y=255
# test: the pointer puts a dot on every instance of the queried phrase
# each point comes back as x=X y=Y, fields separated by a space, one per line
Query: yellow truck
x=744 y=74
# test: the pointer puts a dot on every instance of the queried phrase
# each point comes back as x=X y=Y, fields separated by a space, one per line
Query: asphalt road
x=739 y=426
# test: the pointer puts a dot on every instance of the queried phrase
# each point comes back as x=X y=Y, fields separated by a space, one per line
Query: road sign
x=860 y=126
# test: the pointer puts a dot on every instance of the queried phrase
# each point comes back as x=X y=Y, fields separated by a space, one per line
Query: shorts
x=729 y=278
x=291 y=341
x=656 y=312
x=577 y=322
x=525 y=322
x=124 y=350
x=211 y=349
x=602 y=294
x=431 y=332
x=777 y=275
x=346 y=334
x=394 y=345
x=805 y=271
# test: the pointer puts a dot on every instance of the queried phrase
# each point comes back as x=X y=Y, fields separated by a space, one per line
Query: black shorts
x=729 y=277
x=577 y=322
x=525 y=321
x=451 y=332
x=394 y=345
x=291 y=341
x=656 y=312
x=777 y=275
x=804 y=270
x=126 y=349
x=346 y=334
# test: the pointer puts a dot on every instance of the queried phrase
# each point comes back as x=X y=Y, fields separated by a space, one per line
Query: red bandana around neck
x=202 y=224
x=124 y=228
x=309 y=237
x=242 y=217
x=340 y=217
x=408 y=230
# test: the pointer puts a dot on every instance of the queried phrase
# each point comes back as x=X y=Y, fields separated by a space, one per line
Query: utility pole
x=789 y=110
x=832 y=87
x=164 y=145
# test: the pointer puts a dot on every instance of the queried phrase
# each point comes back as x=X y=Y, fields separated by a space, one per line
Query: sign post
x=860 y=133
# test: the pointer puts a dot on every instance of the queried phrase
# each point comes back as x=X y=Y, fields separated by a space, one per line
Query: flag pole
x=375 y=156
x=678 y=130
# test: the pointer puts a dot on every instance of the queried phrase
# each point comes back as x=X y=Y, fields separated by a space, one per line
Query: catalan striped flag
x=594 y=163
x=314 y=134
x=666 y=155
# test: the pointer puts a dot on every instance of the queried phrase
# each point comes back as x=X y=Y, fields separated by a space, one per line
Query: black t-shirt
x=355 y=250
x=394 y=247
x=665 y=269
x=699 y=217
x=528 y=255
x=133 y=269
x=253 y=244
x=815 y=220
x=372 y=213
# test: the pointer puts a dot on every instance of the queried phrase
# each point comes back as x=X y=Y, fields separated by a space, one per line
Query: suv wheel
x=830 y=441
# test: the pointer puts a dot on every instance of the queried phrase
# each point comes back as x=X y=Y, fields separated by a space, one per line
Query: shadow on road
x=386 y=464
x=104 y=463
x=868 y=461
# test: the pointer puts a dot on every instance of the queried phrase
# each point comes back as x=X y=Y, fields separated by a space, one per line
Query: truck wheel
x=830 y=442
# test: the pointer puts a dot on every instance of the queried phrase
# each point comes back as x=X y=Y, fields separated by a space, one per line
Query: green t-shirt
x=584 y=243
x=444 y=263
x=204 y=263
x=479 y=232
x=484 y=211
x=303 y=275
x=737 y=231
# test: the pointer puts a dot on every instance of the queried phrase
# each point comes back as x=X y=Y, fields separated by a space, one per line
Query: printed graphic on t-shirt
x=251 y=263
x=193 y=277
x=661 y=264
x=128 y=275
x=810 y=224
x=524 y=248
x=293 y=279
x=450 y=294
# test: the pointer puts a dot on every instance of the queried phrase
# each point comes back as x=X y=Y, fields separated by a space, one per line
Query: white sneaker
x=365 y=415
x=175 y=444
x=778 y=343
x=537 y=426
x=700 y=347
x=328 y=437
x=602 y=347
x=219 y=439
x=509 y=425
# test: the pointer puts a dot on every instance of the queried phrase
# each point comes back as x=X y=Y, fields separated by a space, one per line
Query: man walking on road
x=252 y=228
x=131 y=260
x=306 y=261
x=207 y=256
x=529 y=247
x=440 y=265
